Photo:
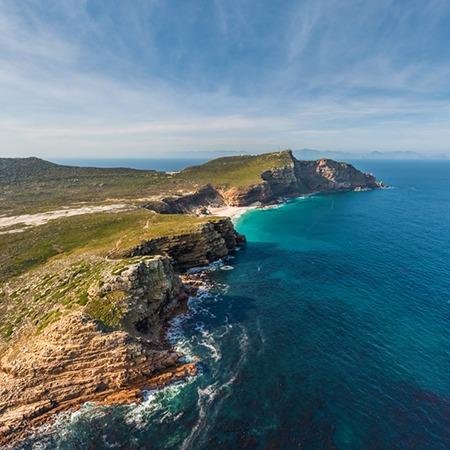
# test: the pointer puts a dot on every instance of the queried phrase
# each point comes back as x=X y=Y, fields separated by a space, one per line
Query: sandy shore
x=230 y=211
x=39 y=219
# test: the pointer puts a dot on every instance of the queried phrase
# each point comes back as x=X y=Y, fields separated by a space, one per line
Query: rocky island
x=90 y=270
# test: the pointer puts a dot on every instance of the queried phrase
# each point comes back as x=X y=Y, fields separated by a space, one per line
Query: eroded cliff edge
x=94 y=328
x=84 y=299
x=245 y=180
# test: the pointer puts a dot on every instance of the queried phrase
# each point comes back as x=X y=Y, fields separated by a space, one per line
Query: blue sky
x=101 y=78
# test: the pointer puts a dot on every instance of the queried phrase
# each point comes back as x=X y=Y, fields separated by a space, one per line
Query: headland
x=90 y=269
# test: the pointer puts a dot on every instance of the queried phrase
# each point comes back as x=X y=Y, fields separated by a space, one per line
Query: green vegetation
x=236 y=171
x=86 y=233
x=48 y=319
x=55 y=269
x=47 y=271
x=108 y=308
x=31 y=185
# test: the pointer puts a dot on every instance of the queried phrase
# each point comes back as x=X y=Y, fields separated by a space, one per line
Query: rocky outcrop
x=291 y=178
x=298 y=178
x=145 y=292
x=326 y=175
x=283 y=181
x=188 y=203
x=83 y=358
x=212 y=241
x=113 y=347
x=244 y=196
x=74 y=361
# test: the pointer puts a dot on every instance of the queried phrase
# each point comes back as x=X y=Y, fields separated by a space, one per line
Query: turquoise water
x=332 y=331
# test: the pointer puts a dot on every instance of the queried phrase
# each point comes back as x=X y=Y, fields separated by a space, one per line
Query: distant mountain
x=307 y=153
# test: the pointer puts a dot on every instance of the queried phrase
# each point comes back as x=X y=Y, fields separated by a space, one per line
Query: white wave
x=214 y=265
x=227 y=327
x=210 y=343
x=206 y=396
x=262 y=336
x=200 y=327
x=62 y=422
x=244 y=341
x=155 y=401
x=215 y=352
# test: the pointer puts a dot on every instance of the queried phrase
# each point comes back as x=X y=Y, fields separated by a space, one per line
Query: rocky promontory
x=104 y=341
x=85 y=297
x=263 y=179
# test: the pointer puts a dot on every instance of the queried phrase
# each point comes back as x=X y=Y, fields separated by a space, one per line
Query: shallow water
x=331 y=331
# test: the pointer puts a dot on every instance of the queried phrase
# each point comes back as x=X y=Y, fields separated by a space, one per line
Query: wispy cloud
x=163 y=76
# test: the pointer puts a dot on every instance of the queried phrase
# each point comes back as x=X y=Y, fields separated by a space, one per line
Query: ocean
x=161 y=164
x=331 y=332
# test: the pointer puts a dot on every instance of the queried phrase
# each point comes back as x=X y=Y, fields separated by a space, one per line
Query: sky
x=146 y=78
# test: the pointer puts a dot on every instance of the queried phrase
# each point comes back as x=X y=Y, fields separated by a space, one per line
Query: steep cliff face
x=301 y=177
x=188 y=203
x=328 y=175
x=283 y=181
x=243 y=196
x=280 y=175
x=211 y=242
x=110 y=346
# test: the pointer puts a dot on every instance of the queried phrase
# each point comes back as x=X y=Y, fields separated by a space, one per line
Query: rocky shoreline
x=77 y=359
x=112 y=347
x=133 y=394
x=292 y=179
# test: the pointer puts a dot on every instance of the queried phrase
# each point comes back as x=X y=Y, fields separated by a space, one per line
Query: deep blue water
x=161 y=164
x=332 y=331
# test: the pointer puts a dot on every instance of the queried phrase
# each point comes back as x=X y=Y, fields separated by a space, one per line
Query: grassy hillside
x=46 y=271
x=32 y=185
x=86 y=233
x=236 y=171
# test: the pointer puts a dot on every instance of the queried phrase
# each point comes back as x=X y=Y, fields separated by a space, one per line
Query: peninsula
x=90 y=265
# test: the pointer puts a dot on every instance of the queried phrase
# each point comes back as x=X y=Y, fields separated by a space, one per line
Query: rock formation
x=114 y=346
x=212 y=242
x=90 y=326
x=298 y=178
x=289 y=179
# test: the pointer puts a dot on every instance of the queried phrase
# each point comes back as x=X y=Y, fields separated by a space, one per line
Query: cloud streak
x=97 y=78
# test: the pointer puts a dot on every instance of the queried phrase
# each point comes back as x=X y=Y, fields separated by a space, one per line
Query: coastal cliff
x=85 y=298
x=213 y=241
x=264 y=179
x=107 y=343
x=296 y=178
